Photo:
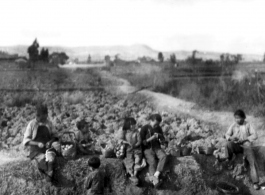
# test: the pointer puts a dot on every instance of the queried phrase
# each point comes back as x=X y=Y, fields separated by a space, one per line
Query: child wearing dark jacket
x=153 y=138
x=94 y=183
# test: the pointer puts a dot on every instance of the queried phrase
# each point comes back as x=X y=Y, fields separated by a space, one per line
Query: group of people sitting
x=145 y=144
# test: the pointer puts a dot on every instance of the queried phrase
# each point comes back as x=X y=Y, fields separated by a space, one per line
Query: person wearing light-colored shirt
x=240 y=137
x=42 y=140
x=243 y=132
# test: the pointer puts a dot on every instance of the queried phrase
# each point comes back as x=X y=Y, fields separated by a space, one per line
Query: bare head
x=240 y=116
x=156 y=119
x=82 y=125
x=94 y=163
x=129 y=124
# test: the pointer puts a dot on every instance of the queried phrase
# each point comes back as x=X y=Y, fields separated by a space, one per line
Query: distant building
x=6 y=56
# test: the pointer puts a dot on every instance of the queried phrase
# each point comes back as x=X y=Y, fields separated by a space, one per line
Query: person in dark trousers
x=239 y=137
x=95 y=181
x=152 y=138
x=40 y=136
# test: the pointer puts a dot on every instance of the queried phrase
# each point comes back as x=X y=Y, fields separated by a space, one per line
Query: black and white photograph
x=132 y=97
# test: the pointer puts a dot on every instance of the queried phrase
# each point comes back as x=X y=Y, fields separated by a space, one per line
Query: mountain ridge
x=130 y=52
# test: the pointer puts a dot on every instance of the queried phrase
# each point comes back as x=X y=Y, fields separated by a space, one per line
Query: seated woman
x=40 y=137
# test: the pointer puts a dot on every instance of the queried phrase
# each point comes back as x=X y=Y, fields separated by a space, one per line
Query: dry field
x=210 y=87
x=69 y=96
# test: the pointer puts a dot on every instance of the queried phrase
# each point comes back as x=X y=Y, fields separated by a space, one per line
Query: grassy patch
x=211 y=87
x=46 y=78
x=74 y=98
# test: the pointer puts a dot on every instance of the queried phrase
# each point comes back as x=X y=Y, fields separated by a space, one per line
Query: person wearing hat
x=240 y=137
x=152 y=139
x=42 y=140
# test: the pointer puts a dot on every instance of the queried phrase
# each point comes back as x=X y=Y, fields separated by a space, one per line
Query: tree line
x=225 y=59
x=44 y=56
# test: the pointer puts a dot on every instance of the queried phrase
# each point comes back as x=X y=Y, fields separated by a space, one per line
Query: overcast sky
x=236 y=26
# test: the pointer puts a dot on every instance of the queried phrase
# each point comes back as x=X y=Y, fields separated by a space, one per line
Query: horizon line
x=136 y=44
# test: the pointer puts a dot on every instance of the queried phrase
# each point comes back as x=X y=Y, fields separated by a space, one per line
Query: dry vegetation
x=104 y=111
x=210 y=86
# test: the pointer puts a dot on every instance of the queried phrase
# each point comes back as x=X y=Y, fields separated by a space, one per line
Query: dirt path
x=175 y=105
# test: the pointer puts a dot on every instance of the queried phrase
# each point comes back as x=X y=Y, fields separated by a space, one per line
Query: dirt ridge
x=163 y=102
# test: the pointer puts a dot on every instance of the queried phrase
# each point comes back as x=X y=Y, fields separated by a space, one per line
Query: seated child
x=83 y=138
x=42 y=139
x=94 y=183
x=131 y=137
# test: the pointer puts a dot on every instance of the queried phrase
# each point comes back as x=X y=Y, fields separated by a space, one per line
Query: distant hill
x=125 y=52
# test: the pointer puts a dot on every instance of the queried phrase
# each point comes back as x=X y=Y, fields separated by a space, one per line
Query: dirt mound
x=184 y=176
